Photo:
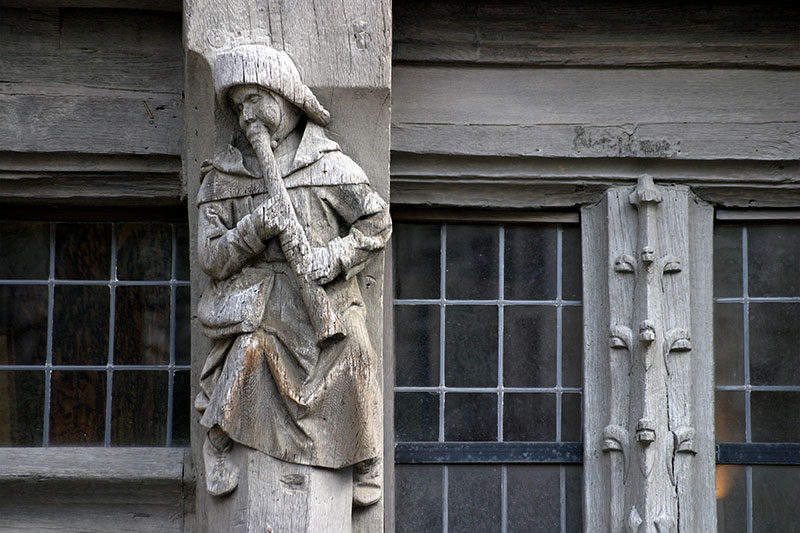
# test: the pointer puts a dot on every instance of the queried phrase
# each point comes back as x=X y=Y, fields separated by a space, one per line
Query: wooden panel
x=535 y=182
x=598 y=34
x=92 y=81
x=95 y=489
x=668 y=113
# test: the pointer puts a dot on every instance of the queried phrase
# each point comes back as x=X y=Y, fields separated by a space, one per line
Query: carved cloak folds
x=265 y=382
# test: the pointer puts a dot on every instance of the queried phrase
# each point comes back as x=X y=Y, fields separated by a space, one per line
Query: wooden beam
x=609 y=34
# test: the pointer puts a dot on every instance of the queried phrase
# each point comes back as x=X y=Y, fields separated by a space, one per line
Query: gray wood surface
x=600 y=34
x=667 y=113
x=95 y=490
x=343 y=54
x=649 y=438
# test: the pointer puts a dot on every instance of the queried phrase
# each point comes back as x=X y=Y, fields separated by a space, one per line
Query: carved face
x=259 y=109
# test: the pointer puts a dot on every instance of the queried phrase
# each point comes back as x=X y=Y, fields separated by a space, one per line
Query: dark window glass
x=472 y=262
x=418 y=498
x=572 y=263
x=139 y=408
x=529 y=346
x=572 y=346
x=534 y=504
x=70 y=392
x=474 y=498
x=416 y=416
x=775 y=490
x=728 y=344
x=78 y=408
x=775 y=416
x=144 y=251
x=529 y=417
x=21 y=408
x=774 y=341
x=470 y=346
x=141 y=332
x=23 y=324
x=416 y=345
x=571 y=420
x=24 y=250
x=80 y=325
x=83 y=251
x=530 y=262
x=731 y=498
x=730 y=416
x=774 y=259
x=727 y=261
x=416 y=256
x=470 y=416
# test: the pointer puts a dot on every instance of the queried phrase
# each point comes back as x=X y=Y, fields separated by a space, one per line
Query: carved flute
x=297 y=249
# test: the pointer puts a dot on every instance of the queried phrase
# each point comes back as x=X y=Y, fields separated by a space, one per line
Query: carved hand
x=272 y=217
x=324 y=265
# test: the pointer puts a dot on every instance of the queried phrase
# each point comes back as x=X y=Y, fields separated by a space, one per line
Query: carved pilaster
x=648 y=430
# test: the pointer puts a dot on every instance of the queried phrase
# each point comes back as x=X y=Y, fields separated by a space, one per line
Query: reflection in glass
x=418 y=498
x=728 y=344
x=529 y=346
x=23 y=328
x=534 y=502
x=473 y=498
x=470 y=416
x=21 y=408
x=181 y=408
x=530 y=262
x=472 y=257
x=470 y=346
x=529 y=417
x=24 y=250
x=774 y=339
x=139 y=408
x=144 y=251
x=416 y=416
x=77 y=408
x=416 y=256
x=767 y=424
x=731 y=499
x=773 y=259
x=775 y=498
x=141 y=331
x=729 y=416
x=727 y=261
x=416 y=341
x=83 y=251
x=572 y=346
x=80 y=325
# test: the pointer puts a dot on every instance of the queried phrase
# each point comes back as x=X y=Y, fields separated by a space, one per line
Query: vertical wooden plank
x=649 y=432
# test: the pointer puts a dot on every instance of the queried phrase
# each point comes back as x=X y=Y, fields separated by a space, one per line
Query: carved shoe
x=367 y=488
x=222 y=475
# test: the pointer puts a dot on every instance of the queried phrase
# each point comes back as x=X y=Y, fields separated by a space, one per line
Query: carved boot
x=222 y=475
x=367 y=482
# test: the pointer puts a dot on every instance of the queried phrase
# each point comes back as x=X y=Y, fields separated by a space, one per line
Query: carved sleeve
x=370 y=227
x=224 y=250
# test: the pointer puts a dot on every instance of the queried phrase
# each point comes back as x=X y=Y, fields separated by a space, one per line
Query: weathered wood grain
x=649 y=449
x=343 y=54
x=539 y=183
x=668 y=113
x=609 y=34
x=95 y=489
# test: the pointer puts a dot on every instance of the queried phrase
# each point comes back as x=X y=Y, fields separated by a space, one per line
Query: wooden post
x=343 y=53
x=648 y=394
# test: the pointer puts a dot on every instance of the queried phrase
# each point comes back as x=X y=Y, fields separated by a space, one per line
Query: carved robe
x=265 y=382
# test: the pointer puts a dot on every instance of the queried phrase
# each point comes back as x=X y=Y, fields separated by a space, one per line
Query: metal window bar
x=499 y=451
x=112 y=283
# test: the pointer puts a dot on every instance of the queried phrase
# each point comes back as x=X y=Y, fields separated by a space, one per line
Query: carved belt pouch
x=235 y=305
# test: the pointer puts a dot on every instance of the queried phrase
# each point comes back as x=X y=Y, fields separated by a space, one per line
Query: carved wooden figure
x=286 y=222
x=650 y=464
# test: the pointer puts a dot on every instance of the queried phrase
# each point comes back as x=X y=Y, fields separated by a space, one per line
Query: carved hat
x=262 y=65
